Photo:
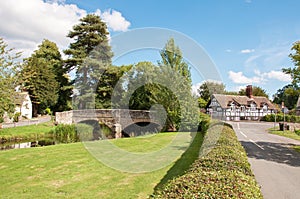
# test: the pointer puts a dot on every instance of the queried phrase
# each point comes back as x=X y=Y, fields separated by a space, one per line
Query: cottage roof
x=225 y=100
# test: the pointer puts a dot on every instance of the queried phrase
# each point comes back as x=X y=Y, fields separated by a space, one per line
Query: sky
x=249 y=41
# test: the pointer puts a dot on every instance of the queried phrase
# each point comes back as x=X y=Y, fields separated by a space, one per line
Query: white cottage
x=235 y=107
x=23 y=105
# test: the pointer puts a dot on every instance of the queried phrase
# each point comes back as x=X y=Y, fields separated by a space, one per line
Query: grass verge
x=288 y=134
x=297 y=148
x=223 y=173
x=69 y=171
x=26 y=132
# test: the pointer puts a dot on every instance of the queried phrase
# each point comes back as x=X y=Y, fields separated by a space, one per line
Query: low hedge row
x=280 y=117
x=223 y=173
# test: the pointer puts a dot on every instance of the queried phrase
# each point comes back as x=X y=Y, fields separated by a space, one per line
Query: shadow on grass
x=184 y=162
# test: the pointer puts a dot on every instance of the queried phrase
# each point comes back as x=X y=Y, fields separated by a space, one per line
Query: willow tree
x=89 y=55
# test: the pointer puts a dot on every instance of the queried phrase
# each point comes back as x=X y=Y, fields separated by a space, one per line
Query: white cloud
x=228 y=50
x=240 y=78
x=259 y=78
x=114 y=20
x=24 y=24
x=247 y=51
x=277 y=75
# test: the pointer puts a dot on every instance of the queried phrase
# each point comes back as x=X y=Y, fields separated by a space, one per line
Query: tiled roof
x=225 y=100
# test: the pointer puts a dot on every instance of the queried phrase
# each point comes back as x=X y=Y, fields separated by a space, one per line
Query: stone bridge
x=116 y=119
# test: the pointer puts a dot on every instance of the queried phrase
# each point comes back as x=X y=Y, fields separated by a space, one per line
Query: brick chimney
x=249 y=91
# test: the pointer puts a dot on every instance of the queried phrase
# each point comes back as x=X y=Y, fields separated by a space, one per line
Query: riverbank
x=30 y=132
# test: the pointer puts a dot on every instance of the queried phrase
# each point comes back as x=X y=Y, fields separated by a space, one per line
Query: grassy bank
x=223 y=173
x=26 y=132
x=297 y=148
x=288 y=134
x=69 y=171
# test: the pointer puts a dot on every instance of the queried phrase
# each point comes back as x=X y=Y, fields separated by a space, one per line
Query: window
x=253 y=107
x=242 y=108
x=232 y=107
x=265 y=108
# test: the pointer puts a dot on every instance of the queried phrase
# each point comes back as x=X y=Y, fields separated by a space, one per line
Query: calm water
x=26 y=144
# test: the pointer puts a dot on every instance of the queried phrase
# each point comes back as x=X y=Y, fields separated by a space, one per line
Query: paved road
x=275 y=164
x=27 y=122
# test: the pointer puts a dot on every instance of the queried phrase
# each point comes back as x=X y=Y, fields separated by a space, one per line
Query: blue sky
x=248 y=40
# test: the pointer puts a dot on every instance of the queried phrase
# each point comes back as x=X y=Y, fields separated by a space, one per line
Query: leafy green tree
x=109 y=83
x=9 y=67
x=172 y=56
x=90 y=54
x=288 y=94
x=49 y=52
x=208 y=88
x=149 y=85
x=295 y=56
x=183 y=107
x=39 y=80
x=256 y=91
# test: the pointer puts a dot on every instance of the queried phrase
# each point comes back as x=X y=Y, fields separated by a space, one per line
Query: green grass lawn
x=297 y=148
x=28 y=132
x=288 y=134
x=70 y=171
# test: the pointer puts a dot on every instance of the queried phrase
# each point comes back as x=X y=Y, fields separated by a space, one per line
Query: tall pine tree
x=89 y=55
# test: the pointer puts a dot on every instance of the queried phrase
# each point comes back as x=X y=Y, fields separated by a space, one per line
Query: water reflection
x=26 y=144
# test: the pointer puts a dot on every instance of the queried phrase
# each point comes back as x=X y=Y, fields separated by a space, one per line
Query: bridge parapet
x=111 y=117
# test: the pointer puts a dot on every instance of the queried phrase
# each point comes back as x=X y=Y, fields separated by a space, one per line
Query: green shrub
x=223 y=173
x=204 y=122
x=69 y=133
x=48 y=111
x=280 y=117
x=16 y=116
x=297 y=132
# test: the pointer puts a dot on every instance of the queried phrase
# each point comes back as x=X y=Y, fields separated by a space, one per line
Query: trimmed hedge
x=280 y=118
x=223 y=173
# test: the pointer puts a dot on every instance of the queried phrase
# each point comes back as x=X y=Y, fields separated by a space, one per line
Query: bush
x=280 y=117
x=204 y=122
x=297 y=132
x=69 y=133
x=223 y=173
x=16 y=116
x=48 y=111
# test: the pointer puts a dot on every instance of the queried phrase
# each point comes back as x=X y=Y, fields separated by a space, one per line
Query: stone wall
x=65 y=117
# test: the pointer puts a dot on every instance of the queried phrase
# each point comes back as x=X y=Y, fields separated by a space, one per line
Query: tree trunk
x=35 y=108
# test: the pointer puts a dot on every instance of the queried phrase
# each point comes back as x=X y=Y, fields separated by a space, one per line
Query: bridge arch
x=140 y=128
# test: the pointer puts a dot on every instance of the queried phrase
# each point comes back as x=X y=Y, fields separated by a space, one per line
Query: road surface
x=27 y=122
x=275 y=164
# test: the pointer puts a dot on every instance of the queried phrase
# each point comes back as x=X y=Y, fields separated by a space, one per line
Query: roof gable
x=225 y=100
